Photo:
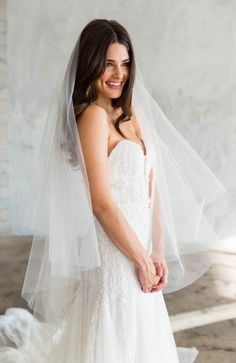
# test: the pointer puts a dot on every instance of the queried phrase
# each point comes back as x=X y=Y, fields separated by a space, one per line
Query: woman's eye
x=124 y=64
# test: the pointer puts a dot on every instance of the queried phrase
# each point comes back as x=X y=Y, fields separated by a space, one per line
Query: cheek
x=99 y=83
x=106 y=75
x=126 y=73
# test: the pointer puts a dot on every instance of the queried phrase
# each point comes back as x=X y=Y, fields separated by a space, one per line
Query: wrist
x=142 y=261
x=158 y=254
x=158 y=249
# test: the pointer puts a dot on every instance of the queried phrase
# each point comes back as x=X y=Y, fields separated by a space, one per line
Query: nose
x=119 y=73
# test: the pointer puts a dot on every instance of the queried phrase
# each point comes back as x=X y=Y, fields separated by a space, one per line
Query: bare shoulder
x=93 y=133
x=93 y=123
x=92 y=115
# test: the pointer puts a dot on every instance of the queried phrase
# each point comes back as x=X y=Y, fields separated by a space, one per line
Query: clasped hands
x=155 y=276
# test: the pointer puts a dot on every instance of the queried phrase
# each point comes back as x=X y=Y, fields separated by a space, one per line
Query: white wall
x=4 y=117
x=187 y=52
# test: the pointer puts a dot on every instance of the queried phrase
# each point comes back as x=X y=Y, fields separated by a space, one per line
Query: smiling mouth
x=114 y=85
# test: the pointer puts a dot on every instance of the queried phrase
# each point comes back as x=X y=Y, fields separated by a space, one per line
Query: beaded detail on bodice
x=128 y=173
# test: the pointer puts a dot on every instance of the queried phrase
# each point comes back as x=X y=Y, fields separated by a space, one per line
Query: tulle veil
x=65 y=243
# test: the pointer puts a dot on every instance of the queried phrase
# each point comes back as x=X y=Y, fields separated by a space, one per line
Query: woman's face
x=112 y=81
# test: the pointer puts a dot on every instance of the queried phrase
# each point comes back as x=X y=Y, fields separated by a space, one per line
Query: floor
x=202 y=315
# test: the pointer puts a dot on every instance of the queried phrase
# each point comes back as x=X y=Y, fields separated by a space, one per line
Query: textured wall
x=4 y=117
x=192 y=72
x=187 y=52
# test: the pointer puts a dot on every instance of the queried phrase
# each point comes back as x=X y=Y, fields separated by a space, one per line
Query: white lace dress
x=113 y=320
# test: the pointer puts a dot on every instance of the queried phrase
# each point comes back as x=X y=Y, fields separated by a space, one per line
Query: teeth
x=114 y=84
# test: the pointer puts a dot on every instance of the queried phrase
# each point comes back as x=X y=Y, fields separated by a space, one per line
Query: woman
x=100 y=133
x=125 y=321
x=117 y=184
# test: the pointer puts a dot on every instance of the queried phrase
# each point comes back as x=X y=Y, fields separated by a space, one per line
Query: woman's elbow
x=102 y=207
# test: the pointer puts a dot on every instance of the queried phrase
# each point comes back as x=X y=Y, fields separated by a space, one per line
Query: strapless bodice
x=129 y=173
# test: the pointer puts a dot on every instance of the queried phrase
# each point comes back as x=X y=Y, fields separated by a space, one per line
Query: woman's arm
x=158 y=247
x=94 y=131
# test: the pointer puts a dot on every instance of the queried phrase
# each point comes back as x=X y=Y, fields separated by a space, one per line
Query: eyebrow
x=112 y=60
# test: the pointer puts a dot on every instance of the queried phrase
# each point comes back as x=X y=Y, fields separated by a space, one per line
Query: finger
x=154 y=278
x=161 y=270
x=165 y=268
x=165 y=275
x=155 y=281
x=158 y=267
x=145 y=287
x=160 y=286
x=163 y=278
x=156 y=287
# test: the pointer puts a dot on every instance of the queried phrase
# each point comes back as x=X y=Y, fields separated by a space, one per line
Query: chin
x=115 y=95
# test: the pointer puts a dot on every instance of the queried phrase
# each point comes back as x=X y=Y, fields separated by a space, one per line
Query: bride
x=110 y=222
x=100 y=135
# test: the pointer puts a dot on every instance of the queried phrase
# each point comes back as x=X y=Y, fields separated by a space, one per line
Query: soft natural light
x=193 y=319
x=226 y=245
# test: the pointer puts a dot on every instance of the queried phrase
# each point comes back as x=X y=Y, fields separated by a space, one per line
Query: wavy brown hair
x=94 y=41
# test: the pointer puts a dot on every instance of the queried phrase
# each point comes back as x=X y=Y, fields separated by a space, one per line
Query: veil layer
x=183 y=187
x=65 y=243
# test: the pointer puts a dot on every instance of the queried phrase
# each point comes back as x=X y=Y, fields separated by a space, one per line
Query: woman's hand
x=160 y=264
x=147 y=276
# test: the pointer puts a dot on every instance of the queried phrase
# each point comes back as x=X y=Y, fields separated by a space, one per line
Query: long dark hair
x=94 y=41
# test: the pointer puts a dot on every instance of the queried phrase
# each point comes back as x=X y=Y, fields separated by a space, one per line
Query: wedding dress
x=112 y=320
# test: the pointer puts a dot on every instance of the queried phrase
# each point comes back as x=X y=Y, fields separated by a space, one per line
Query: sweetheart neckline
x=133 y=142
